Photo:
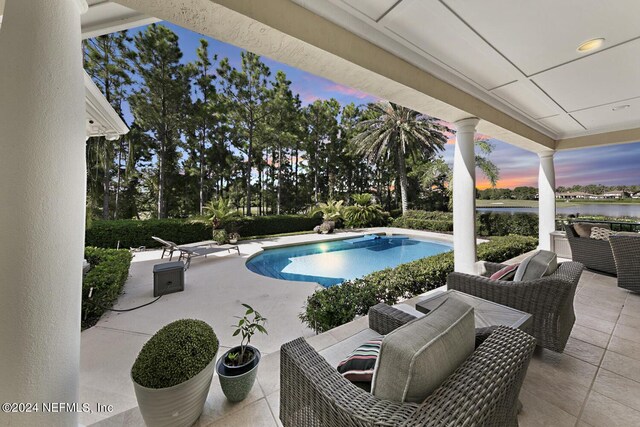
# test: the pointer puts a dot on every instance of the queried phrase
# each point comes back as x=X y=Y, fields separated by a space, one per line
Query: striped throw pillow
x=360 y=364
x=505 y=273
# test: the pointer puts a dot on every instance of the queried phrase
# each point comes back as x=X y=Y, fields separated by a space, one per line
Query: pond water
x=606 y=209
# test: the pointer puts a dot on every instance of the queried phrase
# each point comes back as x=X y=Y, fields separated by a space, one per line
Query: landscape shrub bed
x=487 y=224
x=135 y=233
x=271 y=224
x=334 y=306
x=108 y=273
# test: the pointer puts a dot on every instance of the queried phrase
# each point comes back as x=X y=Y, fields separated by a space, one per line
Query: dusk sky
x=614 y=165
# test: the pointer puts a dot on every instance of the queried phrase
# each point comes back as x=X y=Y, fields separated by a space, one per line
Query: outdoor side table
x=487 y=313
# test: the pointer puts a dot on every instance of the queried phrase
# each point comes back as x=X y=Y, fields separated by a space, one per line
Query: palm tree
x=397 y=132
x=220 y=211
x=363 y=212
x=439 y=172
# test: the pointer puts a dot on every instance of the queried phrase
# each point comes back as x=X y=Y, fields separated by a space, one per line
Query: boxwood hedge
x=134 y=233
x=334 y=306
x=108 y=273
x=487 y=223
x=176 y=353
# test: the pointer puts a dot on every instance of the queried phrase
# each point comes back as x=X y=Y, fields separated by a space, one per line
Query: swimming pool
x=331 y=263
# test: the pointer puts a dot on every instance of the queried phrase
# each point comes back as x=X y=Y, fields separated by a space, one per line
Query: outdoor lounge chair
x=187 y=253
x=549 y=300
x=167 y=247
x=483 y=391
x=626 y=252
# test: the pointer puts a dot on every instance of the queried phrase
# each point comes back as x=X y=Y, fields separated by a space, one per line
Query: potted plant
x=220 y=212
x=234 y=237
x=238 y=367
x=172 y=373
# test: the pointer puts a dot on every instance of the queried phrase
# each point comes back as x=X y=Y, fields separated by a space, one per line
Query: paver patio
x=595 y=382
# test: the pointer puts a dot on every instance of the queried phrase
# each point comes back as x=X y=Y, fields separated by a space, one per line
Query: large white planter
x=176 y=406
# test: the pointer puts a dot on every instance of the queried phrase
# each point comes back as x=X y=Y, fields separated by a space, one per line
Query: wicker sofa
x=483 y=391
x=592 y=253
x=626 y=252
x=549 y=300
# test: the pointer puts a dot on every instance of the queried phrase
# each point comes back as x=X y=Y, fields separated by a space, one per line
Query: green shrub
x=176 y=353
x=487 y=223
x=221 y=236
x=502 y=224
x=109 y=272
x=272 y=224
x=334 y=306
x=134 y=233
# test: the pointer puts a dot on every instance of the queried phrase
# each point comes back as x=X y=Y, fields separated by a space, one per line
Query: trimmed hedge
x=271 y=224
x=502 y=224
x=487 y=223
x=334 y=306
x=109 y=271
x=134 y=233
x=176 y=353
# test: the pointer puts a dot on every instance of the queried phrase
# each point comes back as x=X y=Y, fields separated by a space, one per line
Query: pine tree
x=247 y=91
x=160 y=102
x=106 y=60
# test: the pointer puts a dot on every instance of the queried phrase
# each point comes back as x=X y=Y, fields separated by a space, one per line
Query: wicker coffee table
x=487 y=313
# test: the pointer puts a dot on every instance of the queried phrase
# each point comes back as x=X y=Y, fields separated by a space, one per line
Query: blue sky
x=613 y=165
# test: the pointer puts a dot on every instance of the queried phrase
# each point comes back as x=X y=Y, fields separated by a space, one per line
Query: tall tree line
x=207 y=129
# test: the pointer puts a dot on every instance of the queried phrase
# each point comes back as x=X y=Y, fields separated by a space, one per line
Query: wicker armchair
x=549 y=300
x=483 y=391
x=592 y=253
x=626 y=252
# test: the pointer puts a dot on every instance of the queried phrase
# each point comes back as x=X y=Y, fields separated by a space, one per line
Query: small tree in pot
x=172 y=373
x=238 y=367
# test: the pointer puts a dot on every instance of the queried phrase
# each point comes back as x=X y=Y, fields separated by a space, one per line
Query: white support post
x=42 y=206
x=464 y=196
x=546 y=200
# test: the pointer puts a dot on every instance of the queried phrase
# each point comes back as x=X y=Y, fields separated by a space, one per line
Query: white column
x=546 y=199
x=464 y=196
x=42 y=205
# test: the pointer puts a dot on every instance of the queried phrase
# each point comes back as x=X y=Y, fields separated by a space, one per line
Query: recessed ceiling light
x=590 y=45
x=620 y=107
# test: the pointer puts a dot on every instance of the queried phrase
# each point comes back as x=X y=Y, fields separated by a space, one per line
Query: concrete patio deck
x=214 y=289
x=595 y=382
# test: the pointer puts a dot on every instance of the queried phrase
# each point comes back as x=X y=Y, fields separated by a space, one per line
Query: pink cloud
x=345 y=90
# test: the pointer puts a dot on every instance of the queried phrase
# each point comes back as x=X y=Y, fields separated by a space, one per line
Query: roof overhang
x=102 y=119
x=321 y=38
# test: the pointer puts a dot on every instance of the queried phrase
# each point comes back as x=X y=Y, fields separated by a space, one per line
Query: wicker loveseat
x=592 y=253
x=483 y=391
x=549 y=300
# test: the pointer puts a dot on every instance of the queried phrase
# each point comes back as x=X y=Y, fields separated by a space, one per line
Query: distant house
x=575 y=195
x=636 y=195
x=618 y=194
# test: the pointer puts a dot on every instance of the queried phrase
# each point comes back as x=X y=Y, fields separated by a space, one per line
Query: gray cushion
x=540 y=264
x=417 y=357
x=583 y=229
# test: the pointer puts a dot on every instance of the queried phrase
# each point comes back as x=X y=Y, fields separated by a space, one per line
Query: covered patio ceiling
x=515 y=66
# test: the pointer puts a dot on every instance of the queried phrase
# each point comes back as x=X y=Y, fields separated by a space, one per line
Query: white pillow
x=599 y=233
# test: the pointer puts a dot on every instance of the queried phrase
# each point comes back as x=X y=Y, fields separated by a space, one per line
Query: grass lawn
x=506 y=203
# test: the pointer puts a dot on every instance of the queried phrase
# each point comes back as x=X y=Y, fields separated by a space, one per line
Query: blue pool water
x=331 y=263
